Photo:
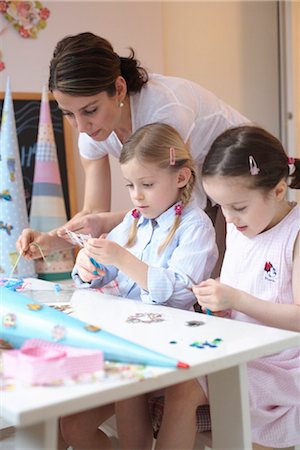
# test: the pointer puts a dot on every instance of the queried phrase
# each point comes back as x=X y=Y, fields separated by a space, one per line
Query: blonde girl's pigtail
x=133 y=230
x=185 y=197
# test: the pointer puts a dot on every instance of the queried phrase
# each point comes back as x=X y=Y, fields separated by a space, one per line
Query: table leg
x=41 y=436
x=229 y=409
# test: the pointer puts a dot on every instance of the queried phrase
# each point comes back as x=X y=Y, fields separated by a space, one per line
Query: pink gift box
x=43 y=362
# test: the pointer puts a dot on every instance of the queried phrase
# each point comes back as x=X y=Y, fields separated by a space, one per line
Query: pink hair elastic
x=172 y=156
x=291 y=164
x=178 y=210
x=135 y=213
x=254 y=169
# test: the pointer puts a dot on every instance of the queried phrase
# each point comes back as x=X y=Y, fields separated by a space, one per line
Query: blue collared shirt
x=188 y=259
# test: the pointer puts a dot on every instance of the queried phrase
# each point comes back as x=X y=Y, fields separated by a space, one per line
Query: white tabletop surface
x=241 y=342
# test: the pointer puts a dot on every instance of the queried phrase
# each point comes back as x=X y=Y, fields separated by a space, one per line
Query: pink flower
x=24 y=33
x=3 y=7
x=44 y=13
x=2 y=66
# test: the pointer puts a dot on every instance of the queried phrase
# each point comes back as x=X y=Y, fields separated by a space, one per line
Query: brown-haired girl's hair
x=151 y=144
x=86 y=64
x=229 y=156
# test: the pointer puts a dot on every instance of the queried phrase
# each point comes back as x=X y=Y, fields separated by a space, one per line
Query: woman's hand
x=93 y=224
x=31 y=242
x=215 y=296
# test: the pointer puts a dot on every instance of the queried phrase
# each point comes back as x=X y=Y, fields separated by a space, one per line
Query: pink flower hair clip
x=135 y=213
x=178 y=210
x=254 y=169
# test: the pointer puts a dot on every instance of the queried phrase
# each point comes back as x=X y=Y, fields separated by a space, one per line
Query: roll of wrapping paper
x=22 y=319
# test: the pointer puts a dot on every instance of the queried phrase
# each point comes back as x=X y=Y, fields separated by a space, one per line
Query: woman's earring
x=121 y=104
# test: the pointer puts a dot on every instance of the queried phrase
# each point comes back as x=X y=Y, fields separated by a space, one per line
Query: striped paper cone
x=13 y=213
x=47 y=203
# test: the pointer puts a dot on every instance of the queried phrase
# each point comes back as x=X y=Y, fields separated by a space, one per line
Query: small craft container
x=42 y=362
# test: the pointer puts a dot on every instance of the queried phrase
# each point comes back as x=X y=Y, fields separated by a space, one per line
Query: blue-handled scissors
x=98 y=265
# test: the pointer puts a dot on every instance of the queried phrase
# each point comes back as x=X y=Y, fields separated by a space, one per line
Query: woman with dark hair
x=107 y=97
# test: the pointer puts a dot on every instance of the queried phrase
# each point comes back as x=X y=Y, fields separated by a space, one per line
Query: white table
x=35 y=410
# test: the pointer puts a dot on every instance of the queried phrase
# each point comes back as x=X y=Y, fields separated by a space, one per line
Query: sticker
x=6 y=227
x=5 y=195
x=9 y=320
x=145 y=318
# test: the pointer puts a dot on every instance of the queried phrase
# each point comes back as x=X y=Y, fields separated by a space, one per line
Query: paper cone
x=13 y=213
x=23 y=319
x=47 y=203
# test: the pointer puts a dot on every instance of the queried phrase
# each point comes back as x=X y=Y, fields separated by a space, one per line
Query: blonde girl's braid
x=151 y=144
x=185 y=197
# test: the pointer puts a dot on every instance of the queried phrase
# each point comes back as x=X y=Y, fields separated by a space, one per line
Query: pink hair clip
x=135 y=213
x=172 y=156
x=291 y=160
x=254 y=169
x=178 y=210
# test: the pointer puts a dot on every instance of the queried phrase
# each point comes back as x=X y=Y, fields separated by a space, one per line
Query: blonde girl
x=164 y=246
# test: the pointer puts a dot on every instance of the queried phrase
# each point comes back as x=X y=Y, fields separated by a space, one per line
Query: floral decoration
x=28 y=17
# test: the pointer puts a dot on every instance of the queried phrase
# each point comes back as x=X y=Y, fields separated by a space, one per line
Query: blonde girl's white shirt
x=188 y=259
x=197 y=114
x=262 y=265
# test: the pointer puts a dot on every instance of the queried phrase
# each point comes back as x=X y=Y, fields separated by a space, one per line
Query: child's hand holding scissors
x=215 y=297
x=87 y=270
x=104 y=251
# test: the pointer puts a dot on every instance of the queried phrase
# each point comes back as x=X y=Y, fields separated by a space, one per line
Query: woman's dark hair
x=231 y=152
x=86 y=64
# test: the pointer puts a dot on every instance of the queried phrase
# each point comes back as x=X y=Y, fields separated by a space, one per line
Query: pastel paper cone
x=13 y=213
x=47 y=203
x=24 y=319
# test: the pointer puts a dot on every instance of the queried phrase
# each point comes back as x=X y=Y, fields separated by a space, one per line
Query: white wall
x=230 y=47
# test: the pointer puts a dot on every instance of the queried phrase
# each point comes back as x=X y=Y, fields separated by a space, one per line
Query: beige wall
x=230 y=47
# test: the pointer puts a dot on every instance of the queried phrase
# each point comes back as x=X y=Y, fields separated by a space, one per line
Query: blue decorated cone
x=13 y=213
x=47 y=202
x=23 y=318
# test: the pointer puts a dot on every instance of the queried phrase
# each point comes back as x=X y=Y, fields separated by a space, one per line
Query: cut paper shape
x=13 y=213
x=47 y=202
x=23 y=319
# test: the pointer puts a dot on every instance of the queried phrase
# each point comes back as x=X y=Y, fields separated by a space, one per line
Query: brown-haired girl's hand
x=215 y=296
